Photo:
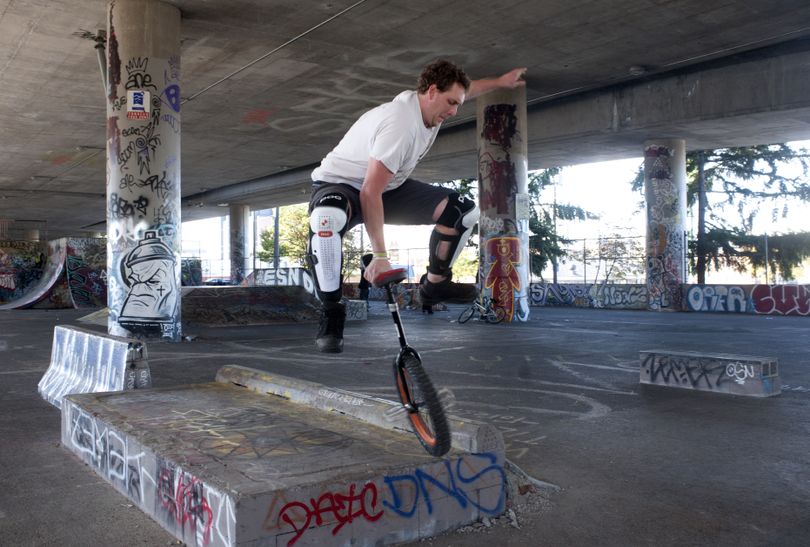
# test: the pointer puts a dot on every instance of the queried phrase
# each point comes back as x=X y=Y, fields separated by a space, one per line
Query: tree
x=294 y=238
x=545 y=244
x=293 y=235
x=750 y=179
x=622 y=257
x=742 y=251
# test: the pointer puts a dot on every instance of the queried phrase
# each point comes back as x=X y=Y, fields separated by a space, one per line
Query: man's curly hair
x=444 y=74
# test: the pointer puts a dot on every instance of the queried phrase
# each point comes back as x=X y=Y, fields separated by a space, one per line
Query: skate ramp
x=51 y=290
x=74 y=276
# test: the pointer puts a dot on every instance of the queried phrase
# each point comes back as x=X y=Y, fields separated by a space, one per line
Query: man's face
x=442 y=104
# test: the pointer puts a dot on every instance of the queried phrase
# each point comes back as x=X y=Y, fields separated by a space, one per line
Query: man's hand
x=508 y=80
x=513 y=78
x=377 y=266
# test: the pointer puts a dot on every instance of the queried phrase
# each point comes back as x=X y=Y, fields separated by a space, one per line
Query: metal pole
x=255 y=239
x=766 y=259
x=554 y=265
x=276 y=244
x=584 y=263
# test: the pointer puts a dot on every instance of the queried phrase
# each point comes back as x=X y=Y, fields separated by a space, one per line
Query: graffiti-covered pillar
x=665 y=191
x=239 y=217
x=143 y=169
x=503 y=194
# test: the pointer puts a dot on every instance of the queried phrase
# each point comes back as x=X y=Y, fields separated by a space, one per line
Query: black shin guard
x=436 y=264
x=460 y=214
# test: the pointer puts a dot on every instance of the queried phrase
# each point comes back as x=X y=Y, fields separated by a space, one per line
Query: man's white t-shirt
x=392 y=133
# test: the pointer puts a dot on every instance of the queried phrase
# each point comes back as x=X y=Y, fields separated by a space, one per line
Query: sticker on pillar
x=522 y=211
x=151 y=303
x=138 y=104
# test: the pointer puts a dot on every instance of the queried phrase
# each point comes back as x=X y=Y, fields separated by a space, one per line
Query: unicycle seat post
x=387 y=280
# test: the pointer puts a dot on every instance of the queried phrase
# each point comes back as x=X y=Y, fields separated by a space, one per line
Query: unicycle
x=416 y=392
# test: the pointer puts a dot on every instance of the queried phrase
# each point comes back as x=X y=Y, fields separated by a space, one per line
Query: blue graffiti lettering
x=421 y=479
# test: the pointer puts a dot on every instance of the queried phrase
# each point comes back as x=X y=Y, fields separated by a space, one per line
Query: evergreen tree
x=753 y=180
x=545 y=244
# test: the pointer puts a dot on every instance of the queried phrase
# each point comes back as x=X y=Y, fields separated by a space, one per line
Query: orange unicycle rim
x=414 y=416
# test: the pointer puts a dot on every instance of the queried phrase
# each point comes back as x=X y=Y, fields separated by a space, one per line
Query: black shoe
x=330 y=330
x=446 y=291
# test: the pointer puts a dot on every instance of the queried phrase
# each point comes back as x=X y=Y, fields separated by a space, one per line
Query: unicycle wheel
x=425 y=412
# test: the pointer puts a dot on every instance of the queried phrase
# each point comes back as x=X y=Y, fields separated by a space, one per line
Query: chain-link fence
x=609 y=259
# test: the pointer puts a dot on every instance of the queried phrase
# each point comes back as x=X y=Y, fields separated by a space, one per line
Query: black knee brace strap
x=460 y=214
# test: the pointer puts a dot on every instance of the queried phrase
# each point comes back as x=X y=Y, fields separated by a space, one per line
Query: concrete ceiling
x=282 y=114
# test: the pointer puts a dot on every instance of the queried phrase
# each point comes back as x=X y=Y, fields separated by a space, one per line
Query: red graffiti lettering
x=503 y=277
x=343 y=508
x=186 y=501
x=781 y=299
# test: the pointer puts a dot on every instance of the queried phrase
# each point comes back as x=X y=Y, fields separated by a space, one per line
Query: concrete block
x=356 y=310
x=466 y=435
x=717 y=372
x=217 y=465
x=84 y=361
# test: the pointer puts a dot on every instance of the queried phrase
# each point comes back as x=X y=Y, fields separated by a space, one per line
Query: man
x=365 y=179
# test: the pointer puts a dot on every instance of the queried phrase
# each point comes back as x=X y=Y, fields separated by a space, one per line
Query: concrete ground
x=636 y=465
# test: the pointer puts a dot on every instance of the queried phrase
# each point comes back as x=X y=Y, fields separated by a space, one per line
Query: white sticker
x=138 y=104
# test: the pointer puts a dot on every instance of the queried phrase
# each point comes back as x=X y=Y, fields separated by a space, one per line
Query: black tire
x=495 y=315
x=425 y=411
x=466 y=314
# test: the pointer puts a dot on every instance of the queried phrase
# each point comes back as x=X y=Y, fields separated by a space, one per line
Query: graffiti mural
x=502 y=278
x=781 y=299
x=87 y=272
x=190 y=509
x=152 y=294
x=628 y=297
x=284 y=277
x=709 y=372
x=464 y=487
x=22 y=265
x=143 y=170
x=717 y=298
x=191 y=272
x=665 y=228
x=504 y=261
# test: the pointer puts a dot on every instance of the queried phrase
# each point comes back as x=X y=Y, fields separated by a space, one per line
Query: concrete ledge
x=467 y=435
x=238 y=305
x=84 y=361
x=716 y=372
x=220 y=465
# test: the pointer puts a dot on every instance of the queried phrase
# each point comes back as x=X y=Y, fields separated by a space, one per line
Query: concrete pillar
x=665 y=191
x=239 y=217
x=143 y=169
x=503 y=182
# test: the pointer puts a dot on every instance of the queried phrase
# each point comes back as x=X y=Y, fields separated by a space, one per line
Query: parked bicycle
x=488 y=310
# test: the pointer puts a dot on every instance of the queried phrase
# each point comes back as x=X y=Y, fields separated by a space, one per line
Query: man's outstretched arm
x=377 y=178
x=508 y=80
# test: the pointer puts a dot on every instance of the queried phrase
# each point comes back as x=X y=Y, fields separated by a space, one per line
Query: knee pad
x=461 y=214
x=327 y=224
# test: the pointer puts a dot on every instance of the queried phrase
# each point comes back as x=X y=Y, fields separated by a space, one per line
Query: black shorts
x=411 y=203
